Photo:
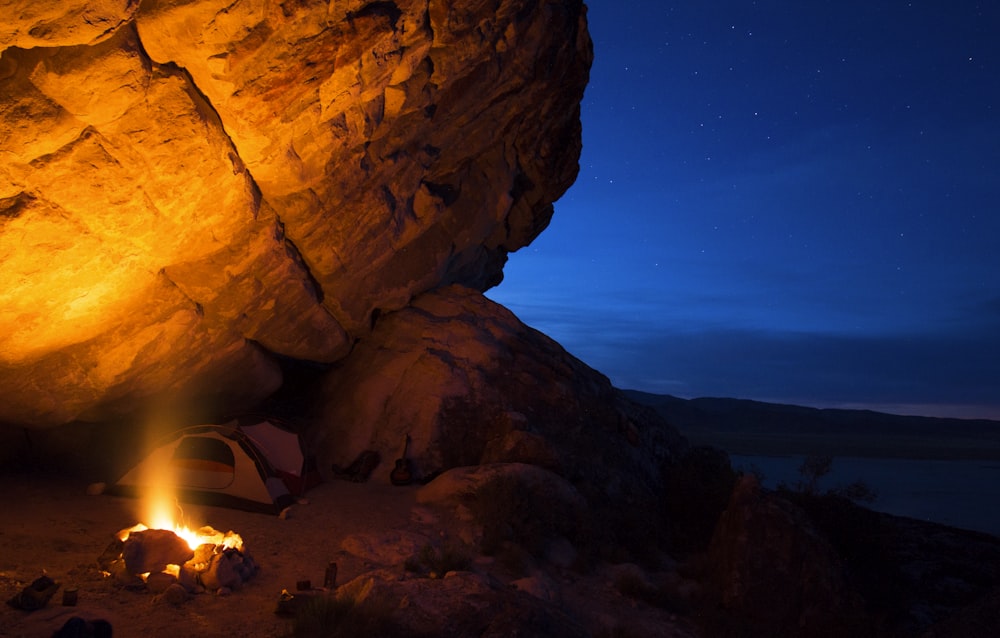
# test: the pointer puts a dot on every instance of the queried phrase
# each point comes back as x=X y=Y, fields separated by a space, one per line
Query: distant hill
x=741 y=426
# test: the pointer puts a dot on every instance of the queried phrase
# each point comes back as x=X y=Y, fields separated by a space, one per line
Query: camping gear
x=248 y=464
x=36 y=595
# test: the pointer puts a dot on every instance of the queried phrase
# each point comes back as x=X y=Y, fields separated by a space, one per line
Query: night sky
x=783 y=201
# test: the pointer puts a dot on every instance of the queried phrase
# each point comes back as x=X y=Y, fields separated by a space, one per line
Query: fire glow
x=161 y=509
x=194 y=538
x=193 y=560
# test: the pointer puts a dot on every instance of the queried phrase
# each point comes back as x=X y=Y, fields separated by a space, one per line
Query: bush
x=436 y=562
x=635 y=587
x=814 y=468
x=510 y=512
x=858 y=491
x=331 y=617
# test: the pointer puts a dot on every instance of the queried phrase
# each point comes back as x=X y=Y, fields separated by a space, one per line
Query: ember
x=156 y=559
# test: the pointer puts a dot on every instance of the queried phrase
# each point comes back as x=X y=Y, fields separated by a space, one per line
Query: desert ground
x=53 y=526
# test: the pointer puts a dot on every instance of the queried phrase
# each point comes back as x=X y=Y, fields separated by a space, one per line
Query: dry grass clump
x=332 y=617
x=435 y=562
x=510 y=512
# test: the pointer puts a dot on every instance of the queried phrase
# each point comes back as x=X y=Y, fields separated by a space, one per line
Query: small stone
x=158 y=582
x=539 y=586
x=188 y=578
x=561 y=553
x=119 y=571
x=96 y=489
x=224 y=571
x=175 y=594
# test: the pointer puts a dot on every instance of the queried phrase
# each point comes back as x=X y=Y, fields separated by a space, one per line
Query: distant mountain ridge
x=742 y=426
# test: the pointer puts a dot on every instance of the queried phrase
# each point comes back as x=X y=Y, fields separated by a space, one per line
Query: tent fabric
x=283 y=449
x=231 y=465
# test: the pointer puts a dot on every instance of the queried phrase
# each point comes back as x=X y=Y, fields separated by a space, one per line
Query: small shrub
x=509 y=511
x=635 y=587
x=331 y=617
x=618 y=631
x=439 y=561
x=858 y=491
x=812 y=470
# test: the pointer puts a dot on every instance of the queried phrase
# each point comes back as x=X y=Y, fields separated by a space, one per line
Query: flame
x=161 y=507
x=162 y=511
x=194 y=538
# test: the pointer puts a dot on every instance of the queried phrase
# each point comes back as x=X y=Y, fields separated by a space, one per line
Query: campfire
x=167 y=557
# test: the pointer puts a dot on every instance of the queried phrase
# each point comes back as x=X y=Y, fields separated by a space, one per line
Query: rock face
x=775 y=573
x=470 y=384
x=460 y=604
x=194 y=190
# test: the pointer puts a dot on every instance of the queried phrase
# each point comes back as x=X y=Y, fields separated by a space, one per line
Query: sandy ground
x=54 y=527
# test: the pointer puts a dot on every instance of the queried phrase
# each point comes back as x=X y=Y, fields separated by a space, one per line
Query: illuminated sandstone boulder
x=194 y=190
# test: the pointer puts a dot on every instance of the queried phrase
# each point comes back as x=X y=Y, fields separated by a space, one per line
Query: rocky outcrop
x=193 y=191
x=916 y=577
x=774 y=574
x=471 y=385
x=460 y=604
x=806 y=564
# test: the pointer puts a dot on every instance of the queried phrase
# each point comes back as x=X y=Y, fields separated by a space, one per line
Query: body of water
x=962 y=494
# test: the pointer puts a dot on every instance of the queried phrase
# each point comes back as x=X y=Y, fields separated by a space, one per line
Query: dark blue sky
x=784 y=201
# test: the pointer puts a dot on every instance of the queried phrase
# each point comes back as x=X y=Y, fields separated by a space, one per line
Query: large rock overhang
x=192 y=191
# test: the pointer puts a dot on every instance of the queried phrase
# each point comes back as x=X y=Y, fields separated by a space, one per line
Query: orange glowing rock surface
x=191 y=190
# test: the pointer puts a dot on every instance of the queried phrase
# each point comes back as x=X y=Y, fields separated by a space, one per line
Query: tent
x=283 y=449
x=249 y=464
